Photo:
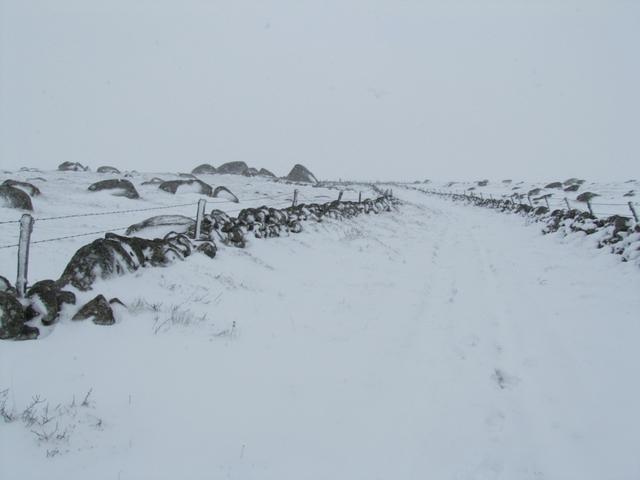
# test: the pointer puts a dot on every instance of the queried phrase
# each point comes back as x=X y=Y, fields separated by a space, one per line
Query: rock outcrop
x=236 y=168
x=117 y=187
x=72 y=167
x=193 y=186
x=300 y=173
x=204 y=169
x=13 y=197
x=108 y=169
x=26 y=187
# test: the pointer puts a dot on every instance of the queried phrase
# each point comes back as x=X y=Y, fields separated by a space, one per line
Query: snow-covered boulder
x=26 y=187
x=224 y=192
x=184 y=186
x=116 y=187
x=204 y=169
x=153 y=181
x=72 y=167
x=236 y=168
x=13 y=197
x=300 y=173
x=108 y=169
x=12 y=319
x=586 y=196
x=98 y=310
x=161 y=225
x=263 y=172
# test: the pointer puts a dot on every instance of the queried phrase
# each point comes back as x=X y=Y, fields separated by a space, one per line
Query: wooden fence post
x=589 y=207
x=340 y=195
x=530 y=203
x=633 y=211
x=26 y=227
x=295 y=198
x=359 y=197
x=202 y=203
x=546 y=200
x=566 y=200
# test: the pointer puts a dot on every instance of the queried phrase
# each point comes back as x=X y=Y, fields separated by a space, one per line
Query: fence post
x=589 y=207
x=295 y=198
x=26 y=227
x=530 y=203
x=360 y=197
x=546 y=200
x=340 y=195
x=633 y=210
x=202 y=203
x=566 y=200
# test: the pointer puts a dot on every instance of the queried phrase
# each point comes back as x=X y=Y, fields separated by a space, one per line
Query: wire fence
x=280 y=196
x=627 y=209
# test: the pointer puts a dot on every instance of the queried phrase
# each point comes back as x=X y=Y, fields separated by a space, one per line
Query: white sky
x=391 y=89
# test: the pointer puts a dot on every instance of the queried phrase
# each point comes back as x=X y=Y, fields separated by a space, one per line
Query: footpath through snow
x=443 y=341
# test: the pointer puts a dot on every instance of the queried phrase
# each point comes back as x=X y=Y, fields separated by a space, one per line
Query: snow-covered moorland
x=435 y=341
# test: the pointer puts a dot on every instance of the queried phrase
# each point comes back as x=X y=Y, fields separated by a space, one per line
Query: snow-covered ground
x=438 y=341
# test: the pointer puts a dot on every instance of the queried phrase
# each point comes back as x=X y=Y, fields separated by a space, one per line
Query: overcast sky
x=387 y=89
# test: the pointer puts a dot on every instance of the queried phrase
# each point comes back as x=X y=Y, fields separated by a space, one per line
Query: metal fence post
x=566 y=200
x=295 y=198
x=633 y=211
x=26 y=227
x=360 y=197
x=199 y=216
x=340 y=195
x=589 y=207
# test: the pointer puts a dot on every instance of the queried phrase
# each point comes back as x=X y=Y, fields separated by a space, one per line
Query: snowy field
x=439 y=341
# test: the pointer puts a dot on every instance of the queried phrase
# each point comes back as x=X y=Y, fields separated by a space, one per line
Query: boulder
x=224 y=192
x=46 y=299
x=554 y=185
x=11 y=316
x=573 y=181
x=300 y=173
x=116 y=255
x=13 y=197
x=586 y=196
x=630 y=193
x=116 y=187
x=507 y=181
x=72 y=167
x=187 y=176
x=236 y=168
x=482 y=183
x=204 y=169
x=40 y=179
x=108 y=169
x=5 y=286
x=153 y=181
x=534 y=191
x=572 y=188
x=99 y=310
x=263 y=172
x=162 y=224
x=26 y=187
x=194 y=186
x=250 y=172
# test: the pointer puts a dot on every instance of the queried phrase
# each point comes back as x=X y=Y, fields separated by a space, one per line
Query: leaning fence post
x=340 y=195
x=202 y=203
x=546 y=200
x=26 y=227
x=633 y=211
x=359 y=197
x=295 y=198
x=589 y=207
x=566 y=200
